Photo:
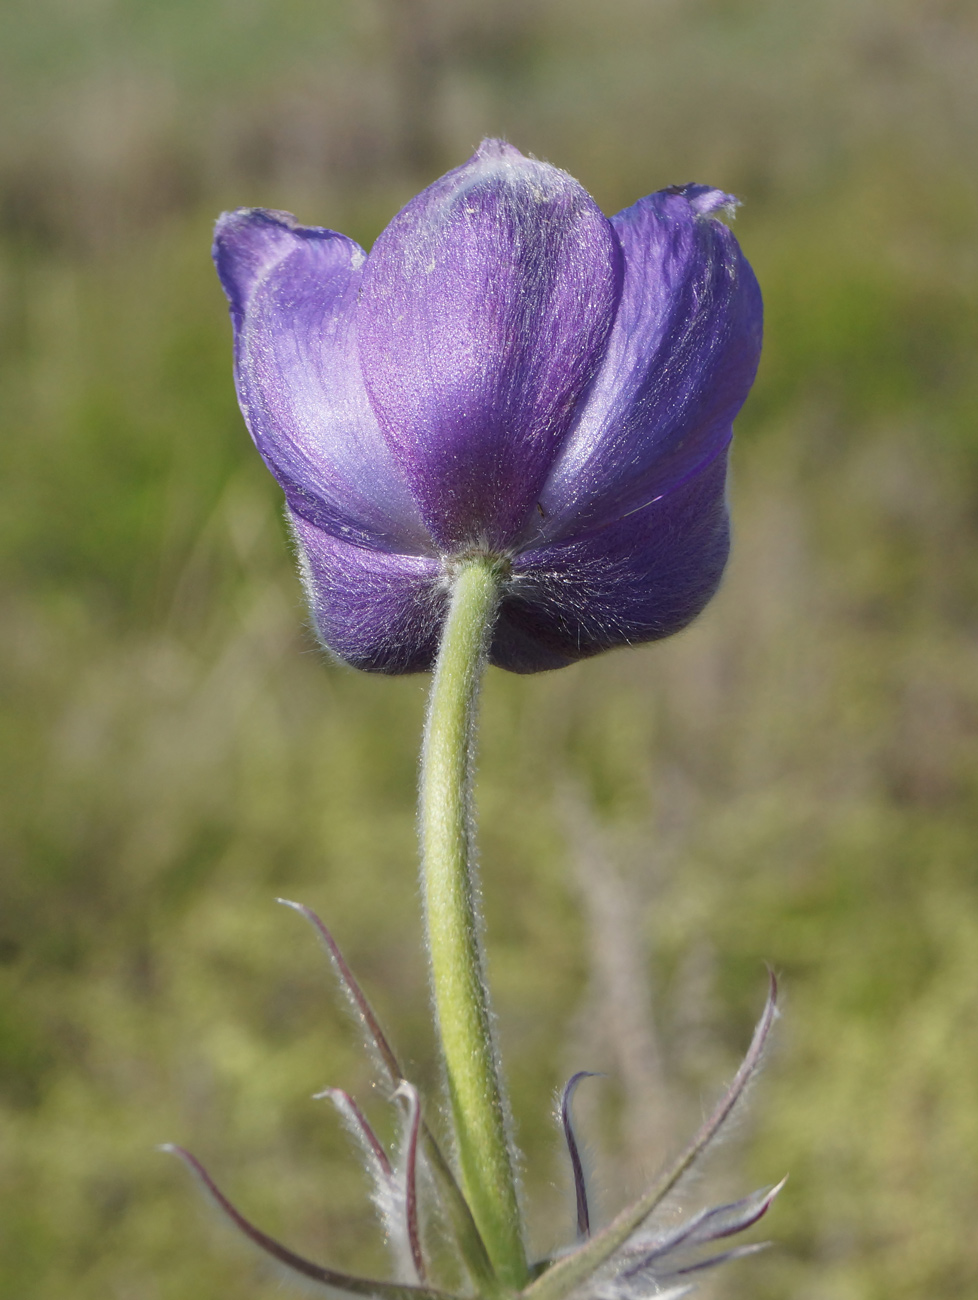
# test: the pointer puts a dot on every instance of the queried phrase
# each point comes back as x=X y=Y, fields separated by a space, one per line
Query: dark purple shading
x=485 y=310
x=637 y=580
x=376 y=611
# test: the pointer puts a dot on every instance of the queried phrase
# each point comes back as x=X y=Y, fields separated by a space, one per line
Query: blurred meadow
x=793 y=780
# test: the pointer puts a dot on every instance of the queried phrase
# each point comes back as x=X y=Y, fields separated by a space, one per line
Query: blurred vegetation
x=795 y=779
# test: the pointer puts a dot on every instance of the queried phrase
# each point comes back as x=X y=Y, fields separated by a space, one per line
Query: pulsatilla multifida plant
x=502 y=438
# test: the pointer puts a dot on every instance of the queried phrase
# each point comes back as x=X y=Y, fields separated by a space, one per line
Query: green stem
x=460 y=992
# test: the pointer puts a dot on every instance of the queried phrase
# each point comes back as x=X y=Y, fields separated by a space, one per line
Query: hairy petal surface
x=486 y=306
x=293 y=293
x=639 y=579
x=680 y=361
x=376 y=611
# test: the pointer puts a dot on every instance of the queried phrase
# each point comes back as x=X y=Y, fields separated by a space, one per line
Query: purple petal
x=636 y=580
x=680 y=361
x=485 y=311
x=376 y=611
x=704 y=200
x=293 y=292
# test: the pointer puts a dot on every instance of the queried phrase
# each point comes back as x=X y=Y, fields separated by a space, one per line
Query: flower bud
x=508 y=373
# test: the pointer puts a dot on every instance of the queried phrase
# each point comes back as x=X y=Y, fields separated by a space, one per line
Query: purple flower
x=508 y=373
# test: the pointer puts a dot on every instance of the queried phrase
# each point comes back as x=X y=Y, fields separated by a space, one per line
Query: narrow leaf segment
x=327 y=1277
x=577 y=1166
x=574 y=1269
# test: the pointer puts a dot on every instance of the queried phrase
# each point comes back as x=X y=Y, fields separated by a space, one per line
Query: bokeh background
x=792 y=780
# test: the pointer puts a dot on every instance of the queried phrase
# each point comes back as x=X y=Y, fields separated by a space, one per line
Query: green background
x=792 y=780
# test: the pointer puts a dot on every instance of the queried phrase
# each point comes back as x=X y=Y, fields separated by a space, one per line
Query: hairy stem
x=461 y=996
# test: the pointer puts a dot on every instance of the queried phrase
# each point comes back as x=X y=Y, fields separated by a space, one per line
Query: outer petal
x=636 y=580
x=485 y=311
x=376 y=611
x=293 y=292
x=681 y=358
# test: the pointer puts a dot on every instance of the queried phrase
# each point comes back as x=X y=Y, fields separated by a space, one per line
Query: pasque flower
x=502 y=435
x=508 y=373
